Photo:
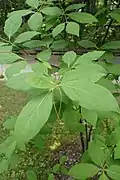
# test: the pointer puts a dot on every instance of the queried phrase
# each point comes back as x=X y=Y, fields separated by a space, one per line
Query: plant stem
x=107 y=31
x=87 y=137
x=82 y=140
x=90 y=133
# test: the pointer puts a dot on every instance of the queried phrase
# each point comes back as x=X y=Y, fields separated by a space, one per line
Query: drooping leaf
x=114 y=172
x=42 y=82
x=20 y=13
x=58 y=29
x=44 y=55
x=101 y=11
x=69 y=57
x=108 y=56
x=83 y=17
x=89 y=57
x=115 y=16
x=26 y=36
x=31 y=175
x=88 y=94
x=7 y=58
x=113 y=68
x=90 y=116
x=73 y=28
x=33 y=3
x=83 y=171
x=15 y=68
x=34 y=44
x=75 y=7
x=35 y=21
x=112 y=45
x=52 y=11
x=87 y=44
x=33 y=117
x=12 y=25
x=3 y=165
x=60 y=44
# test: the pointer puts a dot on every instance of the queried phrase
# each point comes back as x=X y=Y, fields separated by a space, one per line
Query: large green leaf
x=3 y=165
x=112 y=45
x=12 y=25
x=69 y=57
x=33 y=3
x=75 y=7
x=15 y=68
x=87 y=44
x=115 y=16
x=92 y=72
x=52 y=11
x=113 y=68
x=33 y=117
x=89 y=57
x=83 y=17
x=58 y=29
x=83 y=171
x=35 y=21
x=60 y=44
x=42 y=82
x=26 y=36
x=73 y=28
x=20 y=13
x=90 y=116
x=88 y=94
x=6 y=58
x=44 y=55
x=114 y=172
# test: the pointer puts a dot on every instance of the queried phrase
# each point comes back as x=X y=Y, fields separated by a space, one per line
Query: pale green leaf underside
x=58 y=29
x=33 y=3
x=73 y=28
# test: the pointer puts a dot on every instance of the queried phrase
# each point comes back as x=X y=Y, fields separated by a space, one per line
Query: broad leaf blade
x=114 y=172
x=73 y=28
x=87 y=44
x=31 y=175
x=35 y=21
x=69 y=57
x=44 y=55
x=75 y=7
x=12 y=25
x=82 y=17
x=58 y=29
x=112 y=45
x=83 y=171
x=52 y=11
x=26 y=36
x=33 y=3
x=33 y=117
x=3 y=165
x=88 y=94
x=7 y=58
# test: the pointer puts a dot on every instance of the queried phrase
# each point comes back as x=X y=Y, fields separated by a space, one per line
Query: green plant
x=77 y=93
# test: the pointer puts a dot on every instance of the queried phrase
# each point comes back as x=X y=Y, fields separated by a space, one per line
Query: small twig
x=87 y=137
x=90 y=133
